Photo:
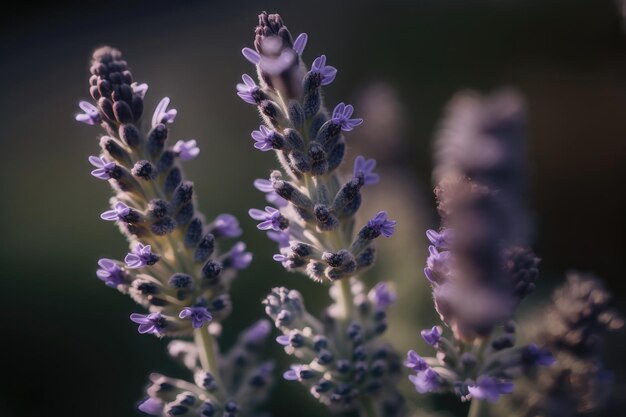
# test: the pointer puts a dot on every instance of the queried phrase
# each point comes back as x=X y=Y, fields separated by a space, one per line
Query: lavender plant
x=480 y=265
x=176 y=268
x=342 y=359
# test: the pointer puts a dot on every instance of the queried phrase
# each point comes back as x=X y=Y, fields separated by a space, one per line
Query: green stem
x=206 y=351
x=476 y=408
x=345 y=301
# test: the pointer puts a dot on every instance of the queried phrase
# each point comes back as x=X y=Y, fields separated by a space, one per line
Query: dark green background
x=67 y=346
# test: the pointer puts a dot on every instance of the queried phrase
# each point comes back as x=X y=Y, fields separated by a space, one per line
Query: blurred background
x=67 y=346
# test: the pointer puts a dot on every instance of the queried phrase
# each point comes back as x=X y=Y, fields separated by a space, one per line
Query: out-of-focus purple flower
x=110 y=273
x=383 y=295
x=197 y=315
x=227 y=225
x=366 y=169
x=425 y=381
x=239 y=258
x=490 y=389
x=162 y=114
x=119 y=212
x=247 y=89
x=282 y=238
x=91 y=115
x=104 y=167
x=186 y=150
x=431 y=336
x=381 y=224
x=341 y=116
x=298 y=373
x=437 y=261
x=139 y=89
x=140 y=256
x=300 y=43
x=326 y=72
x=441 y=239
x=270 y=218
x=149 y=323
x=415 y=362
x=266 y=187
x=534 y=355
x=263 y=138
x=251 y=55
x=151 y=406
x=257 y=332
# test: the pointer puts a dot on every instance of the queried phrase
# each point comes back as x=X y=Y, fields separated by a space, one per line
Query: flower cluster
x=175 y=268
x=312 y=218
x=479 y=263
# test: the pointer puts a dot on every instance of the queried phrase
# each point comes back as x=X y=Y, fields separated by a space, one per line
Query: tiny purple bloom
x=538 y=356
x=264 y=138
x=198 y=316
x=110 y=273
x=246 y=90
x=91 y=114
x=270 y=218
x=283 y=339
x=140 y=256
x=300 y=43
x=441 y=239
x=490 y=389
x=139 y=89
x=425 y=381
x=326 y=72
x=162 y=114
x=227 y=225
x=381 y=223
x=239 y=258
x=149 y=323
x=366 y=169
x=257 y=332
x=151 y=406
x=119 y=212
x=438 y=260
x=341 y=116
x=282 y=238
x=415 y=362
x=186 y=150
x=383 y=295
x=431 y=336
x=104 y=167
x=298 y=373
x=266 y=187
x=251 y=55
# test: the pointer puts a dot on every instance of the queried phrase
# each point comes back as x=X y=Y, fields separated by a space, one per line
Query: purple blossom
x=298 y=373
x=162 y=114
x=110 y=272
x=383 y=295
x=141 y=256
x=186 y=150
x=282 y=238
x=440 y=239
x=263 y=138
x=270 y=218
x=283 y=339
x=239 y=258
x=490 y=389
x=438 y=261
x=251 y=55
x=415 y=362
x=279 y=257
x=266 y=187
x=139 y=89
x=365 y=168
x=91 y=114
x=247 y=89
x=119 y=212
x=381 y=224
x=326 y=72
x=341 y=116
x=149 y=323
x=425 y=381
x=534 y=355
x=197 y=315
x=431 y=336
x=257 y=332
x=300 y=43
x=104 y=168
x=226 y=225
x=151 y=406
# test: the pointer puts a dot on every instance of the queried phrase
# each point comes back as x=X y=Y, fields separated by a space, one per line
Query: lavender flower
x=341 y=117
x=326 y=73
x=141 y=256
x=91 y=115
x=149 y=323
x=248 y=89
x=162 y=115
x=271 y=196
x=119 y=212
x=425 y=381
x=490 y=389
x=381 y=224
x=365 y=168
x=110 y=272
x=186 y=150
x=431 y=336
x=264 y=138
x=226 y=225
x=104 y=168
x=197 y=315
x=271 y=218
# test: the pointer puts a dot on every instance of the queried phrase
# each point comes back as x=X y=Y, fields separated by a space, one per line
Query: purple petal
x=251 y=55
x=300 y=43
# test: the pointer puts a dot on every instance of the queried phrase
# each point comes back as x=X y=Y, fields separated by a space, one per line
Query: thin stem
x=206 y=351
x=345 y=301
x=476 y=408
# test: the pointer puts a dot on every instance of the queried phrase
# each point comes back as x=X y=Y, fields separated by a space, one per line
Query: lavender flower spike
x=91 y=115
x=341 y=117
x=326 y=73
